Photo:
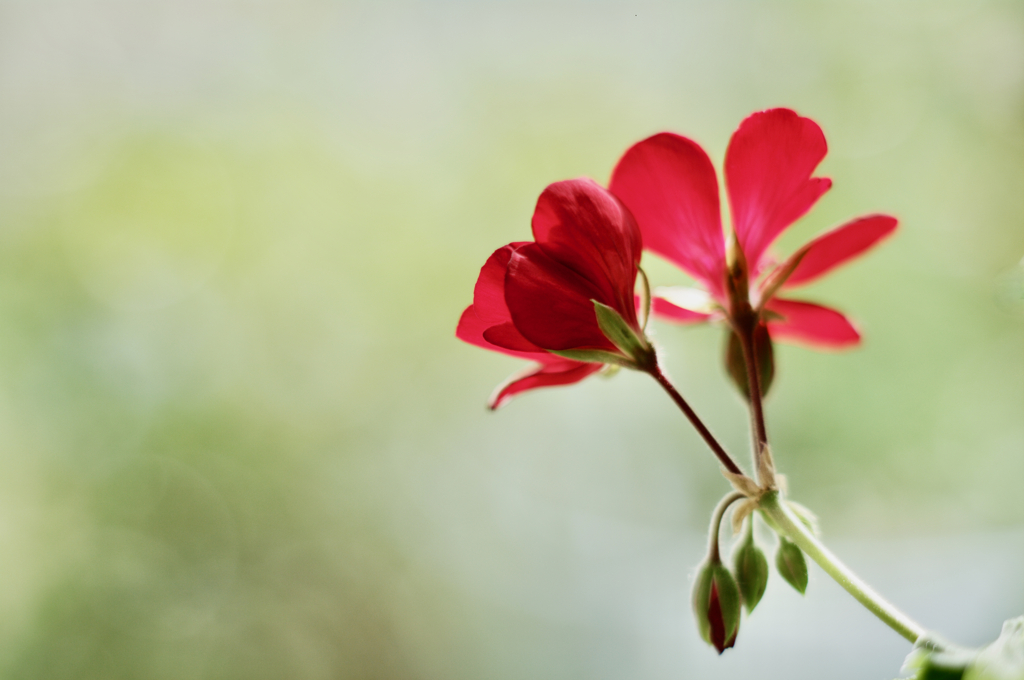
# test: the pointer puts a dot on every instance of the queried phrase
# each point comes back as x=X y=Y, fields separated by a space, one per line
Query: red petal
x=666 y=310
x=768 y=170
x=551 y=303
x=812 y=324
x=507 y=336
x=586 y=229
x=489 y=311
x=835 y=247
x=471 y=329
x=557 y=371
x=669 y=185
x=716 y=620
x=553 y=369
x=489 y=292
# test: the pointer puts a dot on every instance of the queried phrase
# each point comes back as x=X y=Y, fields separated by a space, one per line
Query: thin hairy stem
x=709 y=438
x=716 y=523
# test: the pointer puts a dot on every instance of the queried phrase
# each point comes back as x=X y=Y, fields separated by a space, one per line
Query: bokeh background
x=238 y=438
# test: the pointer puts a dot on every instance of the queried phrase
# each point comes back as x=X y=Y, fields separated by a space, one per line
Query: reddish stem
x=709 y=438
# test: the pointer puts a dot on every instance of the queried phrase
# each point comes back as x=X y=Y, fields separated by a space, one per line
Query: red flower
x=558 y=300
x=669 y=184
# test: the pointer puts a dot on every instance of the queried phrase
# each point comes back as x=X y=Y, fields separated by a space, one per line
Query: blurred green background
x=239 y=439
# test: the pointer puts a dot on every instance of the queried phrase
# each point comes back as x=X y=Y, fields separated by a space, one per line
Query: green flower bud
x=751 y=568
x=716 y=604
x=789 y=560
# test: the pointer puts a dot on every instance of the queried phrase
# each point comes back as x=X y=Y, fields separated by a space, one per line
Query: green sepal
x=715 y=573
x=621 y=334
x=645 y=299
x=595 y=356
x=701 y=596
x=790 y=562
x=751 y=568
x=736 y=364
x=780 y=274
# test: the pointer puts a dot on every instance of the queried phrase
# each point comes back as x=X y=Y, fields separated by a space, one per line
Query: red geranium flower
x=669 y=184
x=559 y=300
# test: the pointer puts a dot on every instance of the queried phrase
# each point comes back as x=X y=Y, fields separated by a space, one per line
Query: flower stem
x=774 y=509
x=716 y=523
x=709 y=438
x=758 y=429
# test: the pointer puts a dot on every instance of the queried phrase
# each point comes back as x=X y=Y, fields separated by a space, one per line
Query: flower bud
x=751 y=572
x=789 y=560
x=716 y=603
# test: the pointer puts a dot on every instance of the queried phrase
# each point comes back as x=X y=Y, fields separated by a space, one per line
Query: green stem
x=786 y=523
x=716 y=523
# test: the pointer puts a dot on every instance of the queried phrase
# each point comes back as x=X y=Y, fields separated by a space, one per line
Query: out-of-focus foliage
x=239 y=440
x=1003 y=659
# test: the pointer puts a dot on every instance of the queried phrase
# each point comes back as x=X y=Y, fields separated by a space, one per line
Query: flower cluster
x=567 y=299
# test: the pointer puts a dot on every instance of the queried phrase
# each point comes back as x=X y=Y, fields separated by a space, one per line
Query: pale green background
x=238 y=438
